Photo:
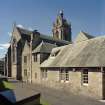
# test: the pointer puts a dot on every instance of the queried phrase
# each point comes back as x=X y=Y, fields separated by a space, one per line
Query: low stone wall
x=33 y=100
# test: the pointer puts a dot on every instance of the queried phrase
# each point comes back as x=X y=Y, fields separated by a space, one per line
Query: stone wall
x=36 y=75
x=14 y=71
x=26 y=65
x=93 y=89
x=16 y=36
x=33 y=100
x=32 y=68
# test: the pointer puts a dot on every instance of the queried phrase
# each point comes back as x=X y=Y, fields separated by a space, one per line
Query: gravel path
x=54 y=97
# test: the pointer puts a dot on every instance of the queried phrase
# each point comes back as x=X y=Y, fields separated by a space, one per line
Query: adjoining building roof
x=82 y=36
x=44 y=47
x=51 y=38
x=89 y=53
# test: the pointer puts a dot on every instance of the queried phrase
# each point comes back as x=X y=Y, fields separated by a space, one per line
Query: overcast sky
x=86 y=15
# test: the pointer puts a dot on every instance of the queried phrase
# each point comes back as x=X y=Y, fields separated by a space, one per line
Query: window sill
x=66 y=81
x=14 y=63
x=44 y=79
x=52 y=57
x=85 y=84
x=62 y=81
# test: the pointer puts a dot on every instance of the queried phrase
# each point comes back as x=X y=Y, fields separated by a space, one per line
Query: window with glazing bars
x=25 y=72
x=64 y=75
x=85 y=76
x=44 y=73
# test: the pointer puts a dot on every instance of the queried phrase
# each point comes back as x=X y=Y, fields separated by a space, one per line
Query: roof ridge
x=52 y=38
x=23 y=28
x=87 y=34
x=94 y=38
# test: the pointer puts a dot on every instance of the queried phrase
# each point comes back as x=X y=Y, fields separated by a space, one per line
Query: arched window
x=57 y=34
x=14 y=50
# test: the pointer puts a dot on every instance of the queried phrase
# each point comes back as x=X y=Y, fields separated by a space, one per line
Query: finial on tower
x=61 y=13
x=14 y=24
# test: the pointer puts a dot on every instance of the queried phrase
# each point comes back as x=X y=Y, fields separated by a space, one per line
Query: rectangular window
x=61 y=75
x=38 y=58
x=44 y=73
x=64 y=75
x=67 y=75
x=25 y=72
x=85 y=77
x=25 y=59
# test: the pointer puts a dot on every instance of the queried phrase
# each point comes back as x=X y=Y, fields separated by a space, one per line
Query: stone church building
x=57 y=62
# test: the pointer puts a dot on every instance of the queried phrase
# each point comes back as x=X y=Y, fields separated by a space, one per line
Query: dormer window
x=54 y=54
x=25 y=59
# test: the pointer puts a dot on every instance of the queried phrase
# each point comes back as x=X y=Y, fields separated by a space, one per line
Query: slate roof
x=44 y=47
x=24 y=31
x=88 y=53
x=50 y=38
x=25 y=34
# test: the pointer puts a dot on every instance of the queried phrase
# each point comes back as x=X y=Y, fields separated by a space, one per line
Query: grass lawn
x=43 y=102
x=6 y=85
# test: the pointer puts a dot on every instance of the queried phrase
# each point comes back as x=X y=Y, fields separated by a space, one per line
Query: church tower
x=61 y=28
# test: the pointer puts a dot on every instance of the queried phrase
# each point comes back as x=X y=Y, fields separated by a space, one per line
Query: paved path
x=55 y=97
